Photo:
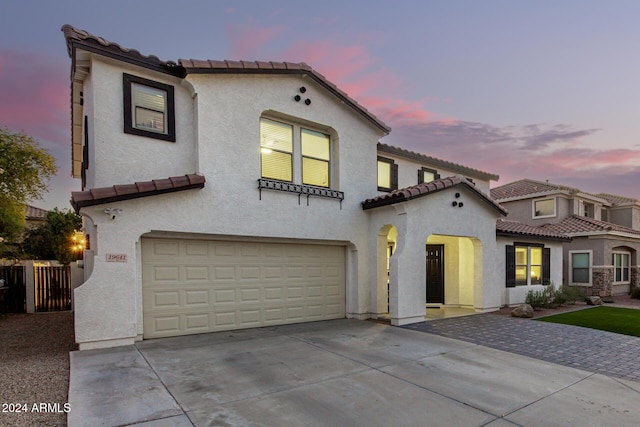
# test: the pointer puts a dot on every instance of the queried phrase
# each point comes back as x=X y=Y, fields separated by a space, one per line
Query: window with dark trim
x=149 y=108
x=387 y=174
x=580 y=268
x=527 y=264
x=427 y=175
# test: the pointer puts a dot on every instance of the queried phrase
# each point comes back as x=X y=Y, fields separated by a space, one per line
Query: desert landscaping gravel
x=34 y=368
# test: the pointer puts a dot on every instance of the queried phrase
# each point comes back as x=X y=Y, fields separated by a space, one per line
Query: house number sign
x=116 y=257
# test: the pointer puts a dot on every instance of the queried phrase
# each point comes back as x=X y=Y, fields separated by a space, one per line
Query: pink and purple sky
x=541 y=90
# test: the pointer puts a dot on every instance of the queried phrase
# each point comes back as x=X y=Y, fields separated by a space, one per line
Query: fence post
x=30 y=284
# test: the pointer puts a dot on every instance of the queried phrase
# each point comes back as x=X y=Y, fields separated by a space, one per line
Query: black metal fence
x=13 y=296
x=52 y=288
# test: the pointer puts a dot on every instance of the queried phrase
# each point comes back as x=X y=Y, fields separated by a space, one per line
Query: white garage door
x=196 y=286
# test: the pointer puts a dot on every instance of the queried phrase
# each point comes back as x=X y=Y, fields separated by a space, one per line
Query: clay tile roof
x=76 y=37
x=615 y=199
x=509 y=228
x=390 y=149
x=116 y=193
x=527 y=187
x=33 y=213
x=426 y=188
x=580 y=225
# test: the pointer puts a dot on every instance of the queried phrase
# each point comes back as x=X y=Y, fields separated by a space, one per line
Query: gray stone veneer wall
x=602 y=280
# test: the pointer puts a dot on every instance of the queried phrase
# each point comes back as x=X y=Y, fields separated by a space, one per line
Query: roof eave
x=407 y=154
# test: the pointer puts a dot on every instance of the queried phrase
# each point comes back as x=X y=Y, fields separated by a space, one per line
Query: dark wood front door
x=435 y=274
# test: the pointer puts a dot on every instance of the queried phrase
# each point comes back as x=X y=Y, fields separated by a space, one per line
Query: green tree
x=54 y=238
x=25 y=169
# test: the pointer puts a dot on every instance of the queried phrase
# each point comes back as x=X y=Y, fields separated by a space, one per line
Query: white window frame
x=533 y=208
x=628 y=254
x=296 y=151
x=586 y=251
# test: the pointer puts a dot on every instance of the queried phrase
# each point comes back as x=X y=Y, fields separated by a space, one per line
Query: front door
x=435 y=274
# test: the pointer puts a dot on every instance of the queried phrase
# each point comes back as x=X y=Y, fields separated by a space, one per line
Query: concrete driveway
x=336 y=373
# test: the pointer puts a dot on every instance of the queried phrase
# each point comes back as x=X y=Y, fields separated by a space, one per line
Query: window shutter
x=394 y=176
x=546 y=266
x=510 y=265
x=436 y=176
x=420 y=176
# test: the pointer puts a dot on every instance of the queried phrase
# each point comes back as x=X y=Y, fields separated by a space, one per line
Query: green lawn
x=620 y=320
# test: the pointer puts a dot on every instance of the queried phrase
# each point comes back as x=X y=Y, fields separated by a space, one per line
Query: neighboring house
x=605 y=231
x=34 y=217
x=221 y=195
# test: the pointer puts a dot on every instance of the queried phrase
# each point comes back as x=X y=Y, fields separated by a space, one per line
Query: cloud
x=35 y=95
x=249 y=38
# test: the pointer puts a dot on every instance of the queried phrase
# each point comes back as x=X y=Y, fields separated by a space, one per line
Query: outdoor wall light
x=297 y=98
x=460 y=204
x=303 y=89
x=457 y=195
x=454 y=203
x=307 y=101
x=113 y=212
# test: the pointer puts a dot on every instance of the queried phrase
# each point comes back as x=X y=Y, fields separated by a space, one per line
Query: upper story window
x=277 y=149
x=427 y=175
x=387 y=174
x=149 y=108
x=316 y=156
x=621 y=267
x=544 y=208
x=588 y=210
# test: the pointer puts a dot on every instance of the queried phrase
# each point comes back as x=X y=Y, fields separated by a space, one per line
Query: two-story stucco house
x=605 y=231
x=221 y=195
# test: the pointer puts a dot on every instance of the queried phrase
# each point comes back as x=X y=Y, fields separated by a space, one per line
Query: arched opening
x=387 y=241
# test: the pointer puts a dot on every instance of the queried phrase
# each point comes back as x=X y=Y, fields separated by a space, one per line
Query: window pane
x=315 y=144
x=536 y=256
x=521 y=275
x=276 y=135
x=536 y=275
x=617 y=260
x=625 y=260
x=275 y=165
x=384 y=174
x=618 y=276
x=147 y=97
x=521 y=256
x=625 y=275
x=545 y=207
x=428 y=176
x=580 y=260
x=149 y=120
x=315 y=172
x=581 y=275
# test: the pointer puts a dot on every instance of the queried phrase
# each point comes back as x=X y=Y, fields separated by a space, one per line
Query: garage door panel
x=202 y=286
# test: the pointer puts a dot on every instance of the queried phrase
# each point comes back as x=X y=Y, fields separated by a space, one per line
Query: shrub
x=572 y=294
x=538 y=299
x=635 y=292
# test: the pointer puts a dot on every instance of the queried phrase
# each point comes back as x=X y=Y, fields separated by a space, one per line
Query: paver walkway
x=588 y=349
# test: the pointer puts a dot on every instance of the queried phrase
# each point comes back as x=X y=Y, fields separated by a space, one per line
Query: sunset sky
x=539 y=89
